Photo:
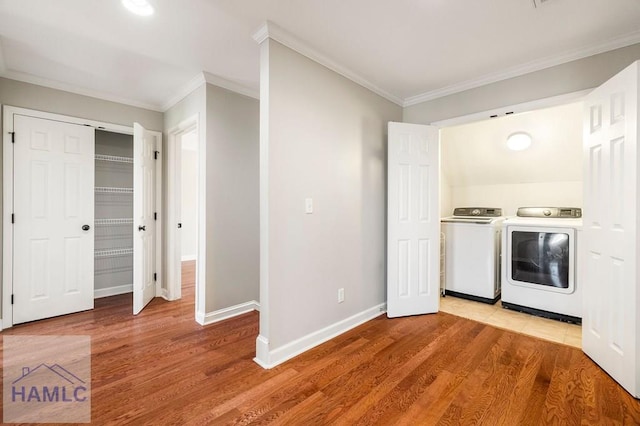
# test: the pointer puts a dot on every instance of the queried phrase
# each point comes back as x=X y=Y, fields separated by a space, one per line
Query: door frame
x=174 y=180
x=7 y=194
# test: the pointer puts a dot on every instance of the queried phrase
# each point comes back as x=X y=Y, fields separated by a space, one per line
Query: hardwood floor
x=162 y=368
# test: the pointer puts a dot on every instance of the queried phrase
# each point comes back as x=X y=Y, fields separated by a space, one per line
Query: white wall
x=480 y=170
x=322 y=137
x=189 y=195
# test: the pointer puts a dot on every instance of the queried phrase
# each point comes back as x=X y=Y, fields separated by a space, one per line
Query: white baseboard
x=270 y=358
x=112 y=291
x=187 y=257
x=226 y=313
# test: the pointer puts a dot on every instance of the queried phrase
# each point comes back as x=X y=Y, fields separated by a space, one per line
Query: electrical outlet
x=340 y=295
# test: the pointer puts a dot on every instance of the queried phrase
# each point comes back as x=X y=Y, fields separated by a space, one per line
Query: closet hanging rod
x=108 y=189
x=114 y=158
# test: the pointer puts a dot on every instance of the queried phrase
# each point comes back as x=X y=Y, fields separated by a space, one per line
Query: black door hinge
x=13 y=218
x=13 y=137
x=155 y=154
x=155 y=276
x=12 y=299
x=155 y=216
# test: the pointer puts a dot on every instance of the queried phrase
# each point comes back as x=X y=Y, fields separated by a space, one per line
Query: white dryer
x=540 y=262
x=472 y=253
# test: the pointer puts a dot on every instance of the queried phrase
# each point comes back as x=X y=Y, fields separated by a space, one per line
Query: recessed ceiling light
x=139 y=7
x=519 y=141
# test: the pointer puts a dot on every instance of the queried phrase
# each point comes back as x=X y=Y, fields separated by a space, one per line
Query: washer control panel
x=555 y=212
x=478 y=211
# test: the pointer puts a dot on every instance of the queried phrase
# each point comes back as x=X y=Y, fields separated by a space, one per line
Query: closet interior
x=113 y=223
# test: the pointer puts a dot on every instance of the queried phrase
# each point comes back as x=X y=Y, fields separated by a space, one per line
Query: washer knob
x=475 y=212
x=547 y=212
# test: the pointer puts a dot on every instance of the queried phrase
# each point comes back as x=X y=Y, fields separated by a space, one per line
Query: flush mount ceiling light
x=519 y=141
x=139 y=7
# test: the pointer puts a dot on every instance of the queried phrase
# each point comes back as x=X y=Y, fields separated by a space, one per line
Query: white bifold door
x=145 y=232
x=413 y=220
x=53 y=237
x=609 y=243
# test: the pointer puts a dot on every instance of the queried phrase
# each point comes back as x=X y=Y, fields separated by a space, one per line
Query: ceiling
x=477 y=154
x=407 y=50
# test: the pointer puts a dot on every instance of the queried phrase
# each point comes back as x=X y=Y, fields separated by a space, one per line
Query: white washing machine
x=540 y=262
x=472 y=253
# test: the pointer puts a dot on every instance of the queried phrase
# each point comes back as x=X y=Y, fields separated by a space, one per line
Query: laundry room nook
x=511 y=221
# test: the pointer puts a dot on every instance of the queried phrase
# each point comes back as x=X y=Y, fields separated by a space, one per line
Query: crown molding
x=230 y=85
x=205 y=77
x=197 y=81
x=274 y=32
x=533 y=66
x=65 y=87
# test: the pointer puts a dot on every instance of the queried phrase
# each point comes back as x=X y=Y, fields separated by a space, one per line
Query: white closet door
x=145 y=145
x=53 y=201
x=413 y=220
x=609 y=247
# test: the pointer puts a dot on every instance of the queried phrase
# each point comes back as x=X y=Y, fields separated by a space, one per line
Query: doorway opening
x=189 y=209
x=185 y=247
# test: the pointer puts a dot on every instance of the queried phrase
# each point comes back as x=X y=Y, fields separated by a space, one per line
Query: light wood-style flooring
x=531 y=325
x=162 y=368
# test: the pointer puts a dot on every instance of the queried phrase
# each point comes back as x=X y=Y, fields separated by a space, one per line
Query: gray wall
x=571 y=77
x=228 y=164
x=326 y=139
x=25 y=95
x=232 y=200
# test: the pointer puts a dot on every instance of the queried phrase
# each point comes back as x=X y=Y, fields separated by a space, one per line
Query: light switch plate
x=308 y=205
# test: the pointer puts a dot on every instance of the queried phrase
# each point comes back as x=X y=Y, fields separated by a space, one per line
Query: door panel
x=413 y=251
x=608 y=246
x=53 y=198
x=145 y=145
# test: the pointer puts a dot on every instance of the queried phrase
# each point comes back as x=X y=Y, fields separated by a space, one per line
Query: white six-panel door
x=610 y=234
x=53 y=199
x=413 y=220
x=145 y=145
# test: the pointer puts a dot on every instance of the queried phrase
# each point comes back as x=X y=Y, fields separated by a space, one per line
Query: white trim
x=112 y=291
x=188 y=257
x=7 y=210
x=264 y=201
x=57 y=85
x=226 y=313
x=270 y=358
x=197 y=81
x=262 y=352
x=514 y=109
x=206 y=77
x=173 y=258
x=519 y=70
x=274 y=32
x=231 y=85
x=159 y=255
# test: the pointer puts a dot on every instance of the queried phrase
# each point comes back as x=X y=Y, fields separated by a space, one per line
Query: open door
x=146 y=147
x=413 y=220
x=609 y=244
